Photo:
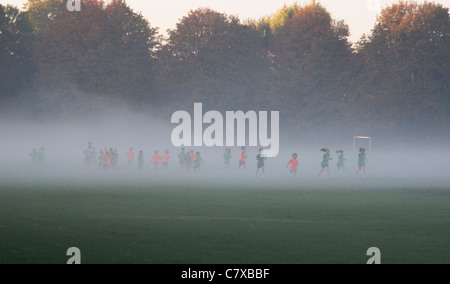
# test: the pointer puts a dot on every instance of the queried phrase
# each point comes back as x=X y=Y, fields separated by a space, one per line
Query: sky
x=360 y=15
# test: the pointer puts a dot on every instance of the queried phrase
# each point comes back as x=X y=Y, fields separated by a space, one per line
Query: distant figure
x=114 y=158
x=130 y=157
x=89 y=153
x=188 y=160
x=191 y=159
x=101 y=157
x=197 y=162
x=141 y=160
x=41 y=156
x=341 y=162
x=34 y=157
x=156 y=158
x=111 y=158
x=293 y=165
x=243 y=158
x=165 y=159
x=362 y=159
x=227 y=158
x=106 y=159
x=261 y=158
x=326 y=162
x=182 y=159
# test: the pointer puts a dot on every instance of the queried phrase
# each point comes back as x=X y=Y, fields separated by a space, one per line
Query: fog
x=390 y=164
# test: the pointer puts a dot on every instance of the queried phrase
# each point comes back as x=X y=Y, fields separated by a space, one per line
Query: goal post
x=366 y=138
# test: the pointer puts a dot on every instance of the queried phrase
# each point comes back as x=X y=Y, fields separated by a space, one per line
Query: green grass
x=223 y=226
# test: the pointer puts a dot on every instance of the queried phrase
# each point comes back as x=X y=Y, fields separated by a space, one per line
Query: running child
x=156 y=158
x=188 y=160
x=106 y=159
x=165 y=159
x=89 y=154
x=261 y=158
x=141 y=160
x=197 y=162
x=293 y=165
x=114 y=158
x=111 y=158
x=130 y=157
x=182 y=158
x=191 y=159
x=326 y=162
x=341 y=162
x=362 y=159
x=101 y=157
x=243 y=158
x=227 y=158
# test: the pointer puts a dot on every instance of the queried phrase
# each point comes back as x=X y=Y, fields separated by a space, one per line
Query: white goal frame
x=362 y=138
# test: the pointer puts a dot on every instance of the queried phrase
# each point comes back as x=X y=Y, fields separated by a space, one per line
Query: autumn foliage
x=298 y=61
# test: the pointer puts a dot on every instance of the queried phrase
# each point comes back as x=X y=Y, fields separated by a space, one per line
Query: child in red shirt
x=293 y=165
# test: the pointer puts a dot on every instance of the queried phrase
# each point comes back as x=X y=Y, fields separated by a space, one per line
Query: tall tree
x=406 y=71
x=213 y=58
x=101 y=56
x=312 y=56
x=268 y=26
x=5 y=56
x=16 y=39
x=43 y=13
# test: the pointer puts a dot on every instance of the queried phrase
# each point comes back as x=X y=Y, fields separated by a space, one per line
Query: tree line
x=299 y=60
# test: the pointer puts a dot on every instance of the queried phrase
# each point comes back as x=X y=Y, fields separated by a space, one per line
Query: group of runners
x=362 y=159
x=189 y=159
x=108 y=159
x=38 y=157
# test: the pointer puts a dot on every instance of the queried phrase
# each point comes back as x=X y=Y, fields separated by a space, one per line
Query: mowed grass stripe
x=217 y=218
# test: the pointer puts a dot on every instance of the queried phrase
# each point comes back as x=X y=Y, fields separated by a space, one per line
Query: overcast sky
x=360 y=15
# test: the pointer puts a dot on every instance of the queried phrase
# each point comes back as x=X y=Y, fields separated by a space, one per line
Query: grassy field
x=206 y=225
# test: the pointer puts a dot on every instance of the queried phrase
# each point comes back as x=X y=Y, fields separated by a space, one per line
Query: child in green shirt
x=341 y=161
x=197 y=162
x=101 y=156
x=141 y=160
x=182 y=159
x=227 y=158
x=261 y=158
x=326 y=162
x=362 y=159
x=114 y=158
